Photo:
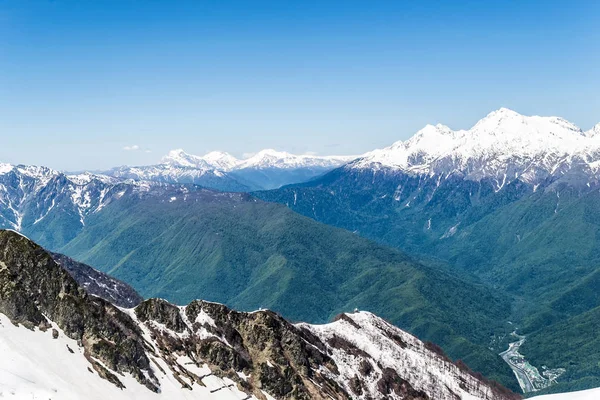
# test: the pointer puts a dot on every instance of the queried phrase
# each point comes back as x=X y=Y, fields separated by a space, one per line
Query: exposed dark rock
x=356 y=385
x=293 y=353
x=390 y=383
x=342 y=344
x=33 y=286
x=365 y=368
x=162 y=312
x=345 y=317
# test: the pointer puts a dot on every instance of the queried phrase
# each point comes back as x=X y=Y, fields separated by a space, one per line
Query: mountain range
x=183 y=242
x=513 y=200
x=267 y=169
x=459 y=237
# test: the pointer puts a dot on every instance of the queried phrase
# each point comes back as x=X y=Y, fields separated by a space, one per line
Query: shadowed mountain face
x=99 y=284
x=203 y=349
x=538 y=243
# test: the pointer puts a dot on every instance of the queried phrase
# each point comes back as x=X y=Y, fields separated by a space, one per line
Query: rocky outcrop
x=35 y=291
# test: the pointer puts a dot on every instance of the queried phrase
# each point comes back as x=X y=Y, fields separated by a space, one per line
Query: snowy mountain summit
x=180 y=158
x=267 y=158
x=270 y=158
x=504 y=145
x=219 y=170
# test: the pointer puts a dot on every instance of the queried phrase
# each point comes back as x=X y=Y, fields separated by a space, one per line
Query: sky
x=93 y=84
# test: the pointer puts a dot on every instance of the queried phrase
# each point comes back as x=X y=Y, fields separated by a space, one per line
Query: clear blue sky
x=80 y=80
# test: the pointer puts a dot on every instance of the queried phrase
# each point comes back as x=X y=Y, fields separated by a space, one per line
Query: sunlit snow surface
x=369 y=333
x=504 y=144
x=33 y=365
x=592 y=394
x=268 y=158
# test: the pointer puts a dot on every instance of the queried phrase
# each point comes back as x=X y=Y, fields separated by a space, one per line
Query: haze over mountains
x=502 y=143
x=479 y=232
x=267 y=169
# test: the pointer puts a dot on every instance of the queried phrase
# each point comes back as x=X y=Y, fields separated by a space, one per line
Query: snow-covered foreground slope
x=358 y=337
x=34 y=365
x=58 y=342
x=592 y=394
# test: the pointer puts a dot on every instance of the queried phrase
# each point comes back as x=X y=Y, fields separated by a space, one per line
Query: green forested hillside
x=571 y=344
x=539 y=245
x=235 y=249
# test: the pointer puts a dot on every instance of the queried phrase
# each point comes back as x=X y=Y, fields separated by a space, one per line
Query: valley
x=528 y=376
x=299 y=200
x=502 y=203
x=436 y=243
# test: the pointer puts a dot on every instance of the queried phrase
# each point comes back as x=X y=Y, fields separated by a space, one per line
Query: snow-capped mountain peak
x=503 y=141
x=510 y=123
x=594 y=132
x=180 y=158
x=5 y=168
x=268 y=158
x=221 y=160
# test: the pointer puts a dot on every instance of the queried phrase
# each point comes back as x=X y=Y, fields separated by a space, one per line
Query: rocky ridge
x=209 y=350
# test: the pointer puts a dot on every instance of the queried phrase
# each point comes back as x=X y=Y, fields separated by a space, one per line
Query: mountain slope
x=99 y=284
x=156 y=236
x=52 y=207
x=513 y=200
x=169 y=173
x=234 y=249
x=203 y=350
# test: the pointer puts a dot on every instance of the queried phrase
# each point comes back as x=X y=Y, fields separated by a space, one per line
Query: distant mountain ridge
x=52 y=207
x=267 y=158
x=219 y=170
